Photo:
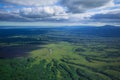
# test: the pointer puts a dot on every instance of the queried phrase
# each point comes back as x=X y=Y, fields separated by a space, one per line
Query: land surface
x=80 y=53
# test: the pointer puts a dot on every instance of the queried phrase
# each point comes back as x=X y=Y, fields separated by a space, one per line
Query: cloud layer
x=67 y=11
x=78 y=6
x=29 y=2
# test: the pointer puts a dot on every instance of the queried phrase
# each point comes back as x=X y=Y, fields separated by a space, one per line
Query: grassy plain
x=62 y=61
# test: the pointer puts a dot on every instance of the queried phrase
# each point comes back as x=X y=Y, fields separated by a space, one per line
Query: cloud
x=44 y=13
x=6 y=16
x=32 y=14
x=108 y=14
x=64 y=11
x=78 y=6
x=41 y=12
x=108 y=17
x=30 y=2
x=117 y=1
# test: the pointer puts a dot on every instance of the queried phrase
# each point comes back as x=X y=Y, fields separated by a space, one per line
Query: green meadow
x=63 y=61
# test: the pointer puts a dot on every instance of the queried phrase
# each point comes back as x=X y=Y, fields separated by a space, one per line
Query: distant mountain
x=110 y=26
x=103 y=31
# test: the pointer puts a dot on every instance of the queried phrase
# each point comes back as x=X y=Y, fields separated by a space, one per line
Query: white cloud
x=53 y=12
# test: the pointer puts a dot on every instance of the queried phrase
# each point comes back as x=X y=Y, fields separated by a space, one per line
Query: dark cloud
x=78 y=6
x=111 y=17
x=117 y=1
x=5 y=16
x=113 y=14
x=29 y=2
x=106 y=16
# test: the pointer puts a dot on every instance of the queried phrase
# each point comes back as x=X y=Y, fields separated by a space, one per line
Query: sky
x=59 y=12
